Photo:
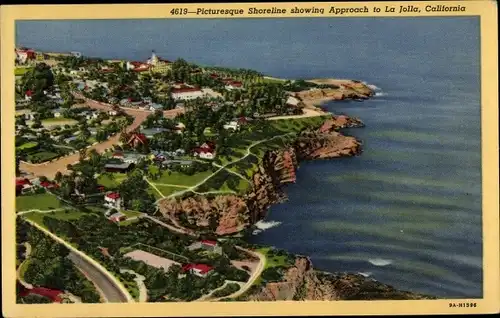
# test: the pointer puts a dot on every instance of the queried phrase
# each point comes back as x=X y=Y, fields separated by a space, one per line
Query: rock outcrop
x=302 y=282
x=233 y=213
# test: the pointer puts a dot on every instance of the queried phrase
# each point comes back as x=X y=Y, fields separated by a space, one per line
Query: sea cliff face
x=234 y=213
x=302 y=282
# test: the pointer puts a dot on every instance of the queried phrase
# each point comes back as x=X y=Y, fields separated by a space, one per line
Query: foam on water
x=365 y=274
x=263 y=225
x=380 y=94
x=379 y=261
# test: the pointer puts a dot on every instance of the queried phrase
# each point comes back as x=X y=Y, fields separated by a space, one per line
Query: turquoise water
x=408 y=210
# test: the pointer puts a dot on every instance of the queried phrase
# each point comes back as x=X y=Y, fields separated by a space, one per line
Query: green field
x=177 y=178
x=42 y=156
x=44 y=201
x=274 y=260
x=19 y=71
x=226 y=182
x=167 y=190
x=111 y=180
x=28 y=145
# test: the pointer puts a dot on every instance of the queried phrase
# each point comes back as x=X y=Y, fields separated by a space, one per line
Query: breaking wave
x=365 y=274
x=379 y=261
x=374 y=87
x=380 y=94
x=263 y=225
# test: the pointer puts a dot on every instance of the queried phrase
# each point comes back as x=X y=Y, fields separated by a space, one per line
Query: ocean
x=406 y=212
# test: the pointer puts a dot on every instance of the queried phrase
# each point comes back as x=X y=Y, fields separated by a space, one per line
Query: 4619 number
x=179 y=11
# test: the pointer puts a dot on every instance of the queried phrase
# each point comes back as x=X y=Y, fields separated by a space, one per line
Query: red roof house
x=48 y=185
x=206 y=151
x=113 y=195
x=209 y=242
x=201 y=270
x=52 y=294
x=137 y=139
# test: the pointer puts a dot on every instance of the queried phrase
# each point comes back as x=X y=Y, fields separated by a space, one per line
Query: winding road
x=110 y=286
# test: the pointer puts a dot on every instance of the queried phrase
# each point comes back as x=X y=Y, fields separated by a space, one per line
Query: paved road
x=108 y=288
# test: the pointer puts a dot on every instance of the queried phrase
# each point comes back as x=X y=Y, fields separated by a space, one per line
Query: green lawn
x=111 y=180
x=42 y=156
x=168 y=190
x=19 y=71
x=44 y=201
x=35 y=217
x=130 y=213
x=181 y=179
x=28 y=145
x=274 y=260
x=224 y=181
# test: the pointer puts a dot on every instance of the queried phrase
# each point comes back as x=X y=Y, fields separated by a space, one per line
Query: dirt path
x=139 y=280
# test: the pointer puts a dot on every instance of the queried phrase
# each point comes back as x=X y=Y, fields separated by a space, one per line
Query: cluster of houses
x=26 y=55
x=25 y=186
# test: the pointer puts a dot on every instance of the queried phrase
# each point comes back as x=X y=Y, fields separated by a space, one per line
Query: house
x=113 y=200
x=201 y=270
x=128 y=157
x=48 y=185
x=149 y=133
x=207 y=245
x=28 y=95
x=205 y=151
x=292 y=101
x=29 y=115
x=24 y=55
x=90 y=114
x=23 y=186
x=187 y=93
x=54 y=295
x=57 y=112
x=154 y=107
x=158 y=64
x=236 y=123
x=70 y=139
x=113 y=112
x=137 y=66
x=122 y=167
x=168 y=163
x=137 y=139
x=230 y=85
x=92 y=131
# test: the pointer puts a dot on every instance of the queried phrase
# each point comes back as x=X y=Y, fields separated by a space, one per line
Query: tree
x=58 y=177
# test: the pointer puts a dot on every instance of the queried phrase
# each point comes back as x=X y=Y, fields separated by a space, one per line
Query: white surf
x=263 y=225
x=379 y=261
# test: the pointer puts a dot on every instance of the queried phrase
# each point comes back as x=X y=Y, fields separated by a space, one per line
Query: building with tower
x=157 y=64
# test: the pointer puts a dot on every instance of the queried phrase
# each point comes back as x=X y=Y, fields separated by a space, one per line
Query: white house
x=292 y=101
x=201 y=270
x=205 y=151
x=233 y=125
x=187 y=93
x=112 y=112
x=57 y=112
x=113 y=200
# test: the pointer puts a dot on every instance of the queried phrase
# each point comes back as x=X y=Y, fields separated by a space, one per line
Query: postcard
x=250 y=159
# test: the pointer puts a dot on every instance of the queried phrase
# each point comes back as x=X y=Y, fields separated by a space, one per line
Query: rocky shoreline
x=235 y=214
